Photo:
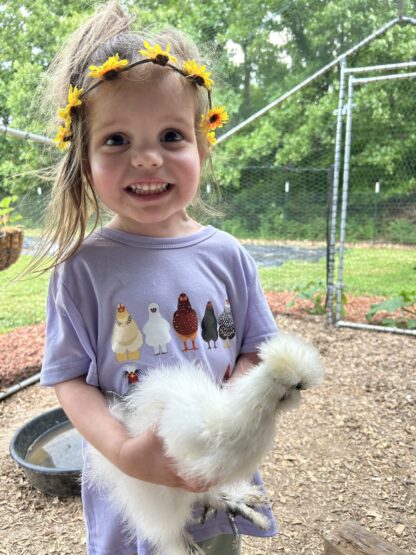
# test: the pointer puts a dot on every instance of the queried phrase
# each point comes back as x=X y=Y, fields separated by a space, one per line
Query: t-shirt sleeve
x=68 y=350
x=260 y=325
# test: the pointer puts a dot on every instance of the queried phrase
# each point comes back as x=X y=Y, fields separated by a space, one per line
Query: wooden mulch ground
x=348 y=453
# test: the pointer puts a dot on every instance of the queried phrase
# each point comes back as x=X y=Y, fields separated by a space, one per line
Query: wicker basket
x=11 y=242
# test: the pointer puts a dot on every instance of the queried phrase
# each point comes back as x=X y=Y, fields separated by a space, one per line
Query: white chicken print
x=127 y=338
x=226 y=328
x=156 y=330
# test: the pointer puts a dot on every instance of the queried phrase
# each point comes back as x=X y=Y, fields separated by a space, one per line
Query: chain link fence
x=281 y=207
x=276 y=171
x=381 y=204
x=381 y=148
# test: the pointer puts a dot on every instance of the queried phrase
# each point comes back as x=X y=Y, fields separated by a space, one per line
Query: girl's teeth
x=148 y=188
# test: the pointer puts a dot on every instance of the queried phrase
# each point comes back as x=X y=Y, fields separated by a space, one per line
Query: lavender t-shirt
x=127 y=303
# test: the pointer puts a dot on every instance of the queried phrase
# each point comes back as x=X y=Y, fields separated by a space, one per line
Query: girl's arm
x=141 y=457
x=244 y=363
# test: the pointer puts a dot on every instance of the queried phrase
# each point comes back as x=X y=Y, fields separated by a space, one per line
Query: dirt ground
x=348 y=453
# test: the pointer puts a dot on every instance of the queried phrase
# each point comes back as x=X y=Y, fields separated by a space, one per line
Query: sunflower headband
x=210 y=121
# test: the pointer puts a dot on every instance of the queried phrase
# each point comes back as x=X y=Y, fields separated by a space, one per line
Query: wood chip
x=359 y=424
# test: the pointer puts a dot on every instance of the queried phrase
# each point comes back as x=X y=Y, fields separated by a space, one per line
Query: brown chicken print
x=185 y=322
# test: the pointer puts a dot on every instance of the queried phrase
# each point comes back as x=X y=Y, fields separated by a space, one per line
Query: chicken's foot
x=247 y=507
x=207 y=512
x=231 y=519
x=191 y=547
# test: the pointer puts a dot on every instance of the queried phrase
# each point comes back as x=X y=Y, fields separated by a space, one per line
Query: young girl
x=153 y=286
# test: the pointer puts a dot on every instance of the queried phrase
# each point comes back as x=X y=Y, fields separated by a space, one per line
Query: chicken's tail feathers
x=295 y=361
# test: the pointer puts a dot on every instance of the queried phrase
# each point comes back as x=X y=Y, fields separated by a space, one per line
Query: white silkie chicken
x=215 y=434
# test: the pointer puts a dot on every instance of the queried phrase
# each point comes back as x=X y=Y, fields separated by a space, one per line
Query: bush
x=404 y=305
x=401 y=231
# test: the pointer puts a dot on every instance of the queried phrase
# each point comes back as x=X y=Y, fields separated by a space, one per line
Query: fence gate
x=369 y=89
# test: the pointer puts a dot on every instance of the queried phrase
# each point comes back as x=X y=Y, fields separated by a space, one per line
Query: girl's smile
x=147 y=189
x=144 y=160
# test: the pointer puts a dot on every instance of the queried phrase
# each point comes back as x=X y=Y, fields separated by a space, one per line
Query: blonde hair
x=73 y=200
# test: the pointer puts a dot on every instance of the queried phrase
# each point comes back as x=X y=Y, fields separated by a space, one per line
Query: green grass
x=378 y=271
x=22 y=302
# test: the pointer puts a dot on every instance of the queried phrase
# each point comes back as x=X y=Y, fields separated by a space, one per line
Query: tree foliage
x=258 y=49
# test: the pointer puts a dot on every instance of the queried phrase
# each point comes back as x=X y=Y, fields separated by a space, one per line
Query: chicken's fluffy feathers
x=215 y=434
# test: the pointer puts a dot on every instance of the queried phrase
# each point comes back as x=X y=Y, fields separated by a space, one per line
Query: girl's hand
x=142 y=457
x=158 y=468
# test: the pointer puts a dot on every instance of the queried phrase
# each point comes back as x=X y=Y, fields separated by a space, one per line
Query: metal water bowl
x=48 y=449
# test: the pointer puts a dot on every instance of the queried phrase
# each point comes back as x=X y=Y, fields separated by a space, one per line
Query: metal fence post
x=345 y=184
x=375 y=215
x=334 y=206
x=285 y=205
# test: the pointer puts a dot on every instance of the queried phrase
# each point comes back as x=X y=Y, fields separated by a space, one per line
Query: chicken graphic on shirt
x=127 y=338
x=185 y=322
x=131 y=373
x=156 y=330
x=226 y=328
x=209 y=326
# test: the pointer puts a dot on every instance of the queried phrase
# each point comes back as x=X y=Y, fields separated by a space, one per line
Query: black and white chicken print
x=226 y=328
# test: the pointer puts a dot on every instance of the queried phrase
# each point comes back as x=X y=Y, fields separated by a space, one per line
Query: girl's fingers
x=197 y=486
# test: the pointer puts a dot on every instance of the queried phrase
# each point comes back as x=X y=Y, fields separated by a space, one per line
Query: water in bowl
x=59 y=447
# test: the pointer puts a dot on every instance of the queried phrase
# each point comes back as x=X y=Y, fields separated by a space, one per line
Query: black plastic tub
x=48 y=449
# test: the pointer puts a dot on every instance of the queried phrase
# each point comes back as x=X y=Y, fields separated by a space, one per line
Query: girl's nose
x=146 y=158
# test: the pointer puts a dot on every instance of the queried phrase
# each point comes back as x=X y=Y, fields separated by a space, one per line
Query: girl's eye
x=171 y=136
x=115 y=140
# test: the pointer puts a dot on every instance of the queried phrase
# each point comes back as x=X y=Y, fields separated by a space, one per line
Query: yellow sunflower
x=61 y=137
x=73 y=101
x=211 y=137
x=197 y=73
x=73 y=96
x=214 y=118
x=65 y=114
x=157 y=54
x=113 y=65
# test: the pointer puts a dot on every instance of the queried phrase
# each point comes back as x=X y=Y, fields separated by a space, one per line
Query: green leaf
x=7 y=201
x=389 y=305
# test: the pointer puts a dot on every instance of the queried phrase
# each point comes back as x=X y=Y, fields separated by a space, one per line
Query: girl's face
x=143 y=158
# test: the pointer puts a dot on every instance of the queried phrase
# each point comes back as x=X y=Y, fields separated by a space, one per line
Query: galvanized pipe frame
x=376 y=34
x=344 y=201
x=331 y=254
x=383 y=67
x=334 y=291
x=392 y=77
x=373 y=327
x=24 y=135
x=353 y=81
